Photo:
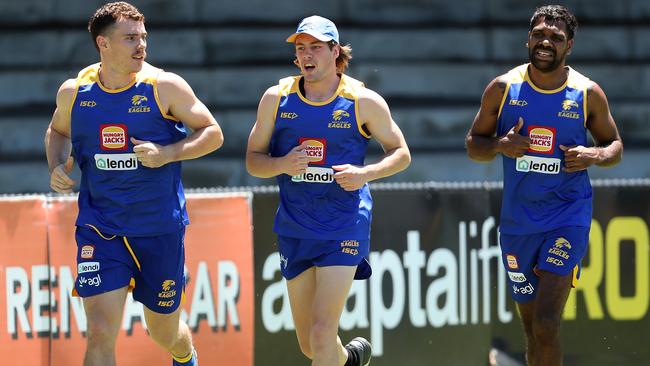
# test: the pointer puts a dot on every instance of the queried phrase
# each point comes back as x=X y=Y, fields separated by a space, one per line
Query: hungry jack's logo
x=542 y=139
x=113 y=137
x=316 y=149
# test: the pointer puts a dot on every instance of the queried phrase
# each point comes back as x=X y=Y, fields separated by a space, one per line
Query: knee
x=166 y=338
x=546 y=328
x=322 y=334
x=100 y=334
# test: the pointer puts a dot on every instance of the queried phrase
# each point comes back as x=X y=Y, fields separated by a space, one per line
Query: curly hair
x=556 y=13
x=108 y=14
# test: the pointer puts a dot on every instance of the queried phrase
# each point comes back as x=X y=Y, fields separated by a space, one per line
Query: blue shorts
x=559 y=251
x=298 y=255
x=152 y=266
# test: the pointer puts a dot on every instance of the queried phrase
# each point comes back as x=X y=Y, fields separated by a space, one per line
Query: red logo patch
x=542 y=139
x=87 y=251
x=113 y=137
x=315 y=150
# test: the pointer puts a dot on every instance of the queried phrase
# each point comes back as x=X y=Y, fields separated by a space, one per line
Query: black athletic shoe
x=362 y=349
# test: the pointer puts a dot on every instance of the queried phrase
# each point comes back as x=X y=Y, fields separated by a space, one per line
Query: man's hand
x=578 y=157
x=296 y=161
x=60 y=180
x=149 y=154
x=349 y=177
x=512 y=144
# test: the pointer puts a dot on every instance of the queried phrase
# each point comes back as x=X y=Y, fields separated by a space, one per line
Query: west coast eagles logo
x=338 y=121
x=561 y=242
x=138 y=104
x=566 y=111
x=339 y=113
x=167 y=284
x=568 y=104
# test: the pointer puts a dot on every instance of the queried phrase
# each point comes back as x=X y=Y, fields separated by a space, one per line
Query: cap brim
x=318 y=36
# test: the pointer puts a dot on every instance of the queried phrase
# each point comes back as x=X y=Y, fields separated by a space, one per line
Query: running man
x=537 y=116
x=311 y=133
x=124 y=122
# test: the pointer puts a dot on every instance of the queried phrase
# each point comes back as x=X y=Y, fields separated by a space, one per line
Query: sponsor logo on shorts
x=512 y=261
x=87 y=251
x=167 y=290
x=315 y=175
x=536 y=164
x=283 y=261
x=113 y=137
x=166 y=304
x=517 y=277
x=555 y=261
x=116 y=161
x=315 y=150
x=350 y=247
x=525 y=290
x=542 y=139
x=86 y=267
x=90 y=281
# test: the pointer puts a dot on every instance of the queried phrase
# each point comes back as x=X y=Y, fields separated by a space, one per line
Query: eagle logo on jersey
x=138 y=99
x=568 y=104
x=338 y=114
x=139 y=104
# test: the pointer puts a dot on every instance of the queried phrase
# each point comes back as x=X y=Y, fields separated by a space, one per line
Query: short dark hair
x=556 y=13
x=110 y=13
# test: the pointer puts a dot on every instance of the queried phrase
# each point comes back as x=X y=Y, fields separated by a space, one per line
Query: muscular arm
x=481 y=140
x=375 y=115
x=609 y=147
x=258 y=161
x=57 y=140
x=178 y=99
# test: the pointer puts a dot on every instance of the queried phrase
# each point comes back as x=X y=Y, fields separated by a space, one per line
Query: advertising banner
x=439 y=295
x=42 y=324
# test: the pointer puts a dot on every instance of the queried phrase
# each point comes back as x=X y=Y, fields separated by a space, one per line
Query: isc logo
x=87 y=103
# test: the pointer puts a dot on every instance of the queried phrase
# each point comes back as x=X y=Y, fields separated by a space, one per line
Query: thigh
x=302 y=290
x=160 y=280
x=103 y=263
x=104 y=312
x=332 y=287
x=160 y=324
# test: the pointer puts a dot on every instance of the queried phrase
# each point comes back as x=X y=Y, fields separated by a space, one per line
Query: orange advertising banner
x=219 y=295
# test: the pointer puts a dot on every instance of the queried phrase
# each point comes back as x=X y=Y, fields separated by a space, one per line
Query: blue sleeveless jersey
x=117 y=194
x=313 y=205
x=537 y=195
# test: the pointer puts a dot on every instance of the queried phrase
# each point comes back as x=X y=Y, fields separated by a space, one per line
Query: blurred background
x=430 y=59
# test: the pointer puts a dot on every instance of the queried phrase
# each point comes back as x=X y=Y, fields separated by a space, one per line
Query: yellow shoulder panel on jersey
x=88 y=75
x=288 y=85
x=350 y=87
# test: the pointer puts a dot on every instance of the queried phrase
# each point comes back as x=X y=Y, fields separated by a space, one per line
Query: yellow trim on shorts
x=574 y=281
x=99 y=233
x=128 y=246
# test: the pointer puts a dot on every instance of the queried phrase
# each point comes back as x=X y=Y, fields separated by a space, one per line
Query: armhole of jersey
x=503 y=99
x=584 y=105
x=359 y=124
x=155 y=95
